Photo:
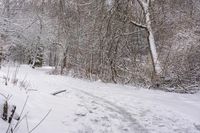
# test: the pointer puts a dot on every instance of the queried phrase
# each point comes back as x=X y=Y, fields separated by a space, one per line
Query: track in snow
x=132 y=123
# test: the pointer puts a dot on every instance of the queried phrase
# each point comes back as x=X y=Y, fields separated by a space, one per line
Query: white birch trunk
x=152 y=42
x=145 y=5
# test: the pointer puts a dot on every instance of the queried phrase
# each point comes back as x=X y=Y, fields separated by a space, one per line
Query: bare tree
x=145 y=5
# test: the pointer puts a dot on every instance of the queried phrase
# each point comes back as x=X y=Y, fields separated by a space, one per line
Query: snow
x=95 y=106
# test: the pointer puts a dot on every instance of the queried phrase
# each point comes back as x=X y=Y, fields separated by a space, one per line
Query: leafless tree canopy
x=122 y=41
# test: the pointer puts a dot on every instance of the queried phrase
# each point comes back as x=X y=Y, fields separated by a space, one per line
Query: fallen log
x=58 y=92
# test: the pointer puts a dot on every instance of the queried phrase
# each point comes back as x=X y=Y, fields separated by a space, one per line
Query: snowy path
x=88 y=107
x=132 y=123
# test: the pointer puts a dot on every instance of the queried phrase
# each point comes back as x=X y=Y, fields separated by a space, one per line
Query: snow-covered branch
x=138 y=24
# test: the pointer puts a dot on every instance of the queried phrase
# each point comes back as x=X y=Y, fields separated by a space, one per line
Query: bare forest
x=143 y=42
x=99 y=66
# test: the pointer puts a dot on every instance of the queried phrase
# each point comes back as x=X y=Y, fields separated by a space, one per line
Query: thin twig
x=3 y=95
x=40 y=121
x=7 y=98
x=27 y=125
x=22 y=113
x=20 y=121
x=24 y=106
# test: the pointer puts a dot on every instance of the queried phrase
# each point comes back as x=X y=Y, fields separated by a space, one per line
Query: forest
x=143 y=42
x=117 y=59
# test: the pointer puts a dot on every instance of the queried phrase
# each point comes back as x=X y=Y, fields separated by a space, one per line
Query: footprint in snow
x=81 y=112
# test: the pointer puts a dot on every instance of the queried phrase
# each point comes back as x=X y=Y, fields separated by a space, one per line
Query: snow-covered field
x=95 y=107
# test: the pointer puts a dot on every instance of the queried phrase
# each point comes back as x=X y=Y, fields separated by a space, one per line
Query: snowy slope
x=98 y=107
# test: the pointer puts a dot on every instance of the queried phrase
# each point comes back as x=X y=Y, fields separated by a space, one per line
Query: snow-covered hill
x=95 y=107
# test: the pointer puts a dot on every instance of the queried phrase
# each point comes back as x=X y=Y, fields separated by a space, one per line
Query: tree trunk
x=154 y=54
x=1 y=56
x=145 y=4
x=63 y=64
x=35 y=56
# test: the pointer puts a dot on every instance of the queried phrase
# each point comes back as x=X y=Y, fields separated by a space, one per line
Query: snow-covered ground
x=95 y=107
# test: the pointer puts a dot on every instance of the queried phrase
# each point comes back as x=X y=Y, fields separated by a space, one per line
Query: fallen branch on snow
x=58 y=92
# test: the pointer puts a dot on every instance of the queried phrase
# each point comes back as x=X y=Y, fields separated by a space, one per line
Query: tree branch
x=58 y=92
x=139 y=25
